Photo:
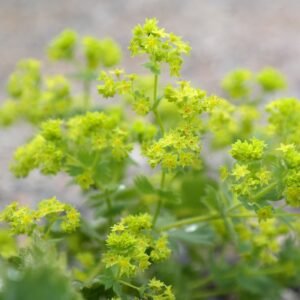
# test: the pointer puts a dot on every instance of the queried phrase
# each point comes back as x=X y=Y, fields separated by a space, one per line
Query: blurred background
x=224 y=34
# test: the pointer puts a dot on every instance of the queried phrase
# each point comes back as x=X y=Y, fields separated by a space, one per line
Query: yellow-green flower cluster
x=237 y=83
x=158 y=290
x=23 y=220
x=160 y=46
x=271 y=80
x=76 y=146
x=248 y=177
x=24 y=89
x=284 y=120
x=179 y=147
x=264 y=213
x=117 y=83
x=35 y=99
x=238 y=121
x=243 y=84
x=25 y=80
x=252 y=174
x=38 y=153
x=222 y=116
x=63 y=46
x=262 y=239
x=190 y=101
x=132 y=246
x=98 y=52
x=100 y=132
x=55 y=100
x=144 y=132
x=291 y=158
x=248 y=150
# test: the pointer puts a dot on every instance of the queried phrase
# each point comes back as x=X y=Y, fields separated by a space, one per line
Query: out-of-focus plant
x=36 y=98
x=246 y=91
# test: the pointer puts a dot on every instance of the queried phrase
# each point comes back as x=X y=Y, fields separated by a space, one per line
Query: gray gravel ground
x=224 y=34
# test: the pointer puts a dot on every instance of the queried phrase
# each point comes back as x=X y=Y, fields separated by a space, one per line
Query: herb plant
x=188 y=195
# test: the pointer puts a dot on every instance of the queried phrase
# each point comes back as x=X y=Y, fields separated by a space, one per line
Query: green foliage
x=189 y=195
x=39 y=283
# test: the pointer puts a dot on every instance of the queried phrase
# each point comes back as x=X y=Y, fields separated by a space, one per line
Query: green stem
x=48 y=230
x=94 y=273
x=159 y=122
x=264 y=191
x=155 y=105
x=234 y=207
x=129 y=285
x=155 y=91
x=202 y=282
x=160 y=201
x=216 y=216
x=230 y=227
x=190 y=221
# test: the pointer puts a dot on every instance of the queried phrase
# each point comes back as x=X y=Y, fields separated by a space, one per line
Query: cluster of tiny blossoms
x=252 y=173
x=291 y=158
x=117 y=83
x=158 y=290
x=248 y=150
x=238 y=121
x=189 y=101
x=132 y=246
x=261 y=239
x=160 y=46
x=23 y=220
x=284 y=121
x=248 y=174
x=180 y=147
x=76 y=146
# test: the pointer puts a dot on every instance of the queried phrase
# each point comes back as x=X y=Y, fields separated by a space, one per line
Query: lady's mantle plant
x=185 y=227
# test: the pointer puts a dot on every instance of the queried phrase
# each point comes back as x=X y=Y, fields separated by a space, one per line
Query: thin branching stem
x=217 y=216
x=160 y=200
x=155 y=105
x=129 y=285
